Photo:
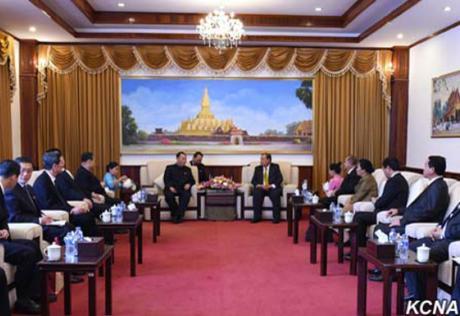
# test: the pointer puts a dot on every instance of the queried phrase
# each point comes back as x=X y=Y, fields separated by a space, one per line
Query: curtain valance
x=95 y=59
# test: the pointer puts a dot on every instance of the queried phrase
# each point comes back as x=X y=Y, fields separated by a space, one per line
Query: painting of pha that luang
x=446 y=106
x=216 y=116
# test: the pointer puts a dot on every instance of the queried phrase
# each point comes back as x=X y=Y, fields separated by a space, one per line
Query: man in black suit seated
x=49 y=198
x=267 y=181
x=394 y=195
x=349 y=182
x=22 y=253
x=429 y=206
x=87 y=181
x=178 y=181
x=22 y=208
x=446 y=232
x=197 y=161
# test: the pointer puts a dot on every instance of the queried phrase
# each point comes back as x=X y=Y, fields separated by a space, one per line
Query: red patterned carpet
x=225 y=268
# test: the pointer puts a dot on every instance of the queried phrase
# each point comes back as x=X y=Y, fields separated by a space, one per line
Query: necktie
x=265 y=176
x=27 y=188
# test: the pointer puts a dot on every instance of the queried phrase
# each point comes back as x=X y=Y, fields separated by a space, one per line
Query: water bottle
x=392 y=236
x=70 y=248
x=305 y=190
x=337 y=213
x=78 y=233
x=332 y=208
x=404 y=249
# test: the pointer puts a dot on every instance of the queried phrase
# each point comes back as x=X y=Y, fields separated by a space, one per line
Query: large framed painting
x=216 y=116
x=446 y=106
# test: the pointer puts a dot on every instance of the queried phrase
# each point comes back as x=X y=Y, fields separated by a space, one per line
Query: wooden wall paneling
x=28 y=103
x=133 y=172
x=399 y=104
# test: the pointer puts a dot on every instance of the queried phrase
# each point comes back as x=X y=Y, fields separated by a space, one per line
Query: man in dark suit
x=22 y=208
x=394 y=195
x=87 y=181
x=429 y=206
x=349 y=182
x=49 y=198
x=178 y=181
x=446 y=232
x=267 y=181
x=22 y=253
x=197 y=161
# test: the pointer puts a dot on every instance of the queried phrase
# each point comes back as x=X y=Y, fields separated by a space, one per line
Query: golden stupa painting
x=205 y=123
x=218 y=116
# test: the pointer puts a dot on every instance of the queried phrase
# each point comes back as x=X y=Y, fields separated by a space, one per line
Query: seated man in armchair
x=178 y=181
x=267 y=181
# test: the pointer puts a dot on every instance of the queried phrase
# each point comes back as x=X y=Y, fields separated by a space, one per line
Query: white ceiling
x=423 y=19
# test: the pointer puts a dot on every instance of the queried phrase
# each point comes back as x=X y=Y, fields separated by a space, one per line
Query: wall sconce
x=42 y=63
x=389 y=68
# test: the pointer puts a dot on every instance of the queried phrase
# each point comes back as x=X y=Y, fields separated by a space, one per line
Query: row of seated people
x=178 y=181
x=390 y=210
x=23 y=203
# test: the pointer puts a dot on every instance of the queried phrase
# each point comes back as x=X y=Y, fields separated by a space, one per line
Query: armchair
x=290 y=183
x=151 y=178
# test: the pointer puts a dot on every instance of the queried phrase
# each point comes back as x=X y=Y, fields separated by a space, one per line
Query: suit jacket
x=202 y=173
x=365 y=190
x=3 y=214
x=394 y=195
x=21 y=205
x=274 y=175
x=452 y=223
x=348 y=184
x=88 y=182
x=429 y=206
x=48 y=196
x=177 y=177
x=68 y=188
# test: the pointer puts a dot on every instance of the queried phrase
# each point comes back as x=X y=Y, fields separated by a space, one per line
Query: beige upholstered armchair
x=290 y=183
x=152 y=180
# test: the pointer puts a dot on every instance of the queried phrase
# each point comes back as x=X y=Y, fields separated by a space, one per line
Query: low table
x=388 y=268
x=87 y=265
x=222 y=201
x=155 y=216
x=321 y=228
x=294 y=214
x=135 y=228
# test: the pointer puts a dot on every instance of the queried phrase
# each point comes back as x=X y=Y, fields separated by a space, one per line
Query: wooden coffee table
x=134 y=228
x=294 y=214
x=88 y=265
x=225 y=200
x=389 y=267
x=154 y=216
x=320 y=227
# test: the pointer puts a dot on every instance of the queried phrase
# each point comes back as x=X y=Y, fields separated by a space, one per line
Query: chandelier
x=220 y=30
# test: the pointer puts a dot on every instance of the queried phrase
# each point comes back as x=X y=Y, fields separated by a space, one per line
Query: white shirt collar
x=351 y=170
x=2 y=188
x=434 y=179
x=53 y=178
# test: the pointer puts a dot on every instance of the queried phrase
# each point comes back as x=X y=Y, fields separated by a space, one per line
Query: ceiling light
x=45 y=13
x=220 y=30
x=318 y=9
x=400 y=35
x=121 y=5
x=32 y=29
x=447 y=9
x=131 y=20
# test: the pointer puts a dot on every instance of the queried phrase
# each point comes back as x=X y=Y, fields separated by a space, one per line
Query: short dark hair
x=438 y=163
x=54 y=149
x=366 y=165
x=336 y=167
x=87 y=155
x=111 y=165
x=180 y=153
x=268 y=155
x=352 y=159
x=23 y=159
x=198 y=153
x=51 y=158
x=9 y=168
x=391 y=162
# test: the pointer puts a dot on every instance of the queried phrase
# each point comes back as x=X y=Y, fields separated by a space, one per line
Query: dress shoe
x=376 y=277
x=347 y=256
x=374 y=271
x=253 y=221
x=409 y=298
x=276 y=221
x=26 y=306
x=76 y=279
x=51 y=298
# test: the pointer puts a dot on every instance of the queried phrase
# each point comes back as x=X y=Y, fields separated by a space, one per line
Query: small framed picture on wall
x=445 y=106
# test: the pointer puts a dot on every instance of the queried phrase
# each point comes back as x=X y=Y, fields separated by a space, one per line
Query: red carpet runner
x=225 y=268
